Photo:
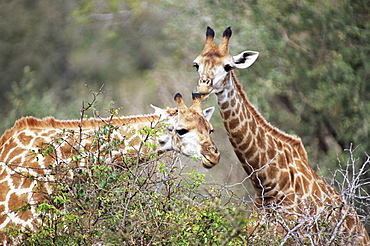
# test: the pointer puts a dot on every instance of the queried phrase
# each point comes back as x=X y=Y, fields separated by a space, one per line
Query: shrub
x=148 y=199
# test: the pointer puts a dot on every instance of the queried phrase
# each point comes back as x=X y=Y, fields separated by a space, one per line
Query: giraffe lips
x=205 y=90
x=207 y=163
x=205 y=96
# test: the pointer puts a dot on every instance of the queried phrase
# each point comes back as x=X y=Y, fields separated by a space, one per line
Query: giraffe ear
x=161 y=112
x=208 y=112
x=245 y=59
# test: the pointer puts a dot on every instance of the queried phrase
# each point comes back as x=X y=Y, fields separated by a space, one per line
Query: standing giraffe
x=276 y=162
x=23 y=168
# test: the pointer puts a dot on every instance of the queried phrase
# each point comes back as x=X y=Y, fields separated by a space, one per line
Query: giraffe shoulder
x=19 y=125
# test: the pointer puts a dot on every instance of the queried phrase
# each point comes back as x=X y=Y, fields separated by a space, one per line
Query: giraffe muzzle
x=205 y=87
x=212 y=158
x=208 y=164
x=207 y=81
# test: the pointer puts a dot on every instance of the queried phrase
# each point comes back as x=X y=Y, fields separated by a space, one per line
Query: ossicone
x=196 y=95
x=227 y=33
x=224 y=45
x=180 y=103
x=177 y=96
x=197 y=103
x=210 y=33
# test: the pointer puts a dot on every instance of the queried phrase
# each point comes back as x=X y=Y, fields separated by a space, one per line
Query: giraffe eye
x=181 y=132
x=228 y=68
x=196 y=66
x=211 y=131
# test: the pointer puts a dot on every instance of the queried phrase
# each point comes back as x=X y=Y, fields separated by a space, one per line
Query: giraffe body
x=33 y=149
x=276 y=162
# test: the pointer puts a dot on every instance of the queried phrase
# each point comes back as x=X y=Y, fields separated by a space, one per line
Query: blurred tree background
x=312 y=77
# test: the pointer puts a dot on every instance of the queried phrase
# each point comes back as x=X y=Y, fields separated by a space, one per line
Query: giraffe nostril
x=205 y=81
x=213 y=150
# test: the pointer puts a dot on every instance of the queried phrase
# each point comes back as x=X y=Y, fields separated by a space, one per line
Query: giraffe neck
x=265 y=152
x=277 y=163
x=31 y=134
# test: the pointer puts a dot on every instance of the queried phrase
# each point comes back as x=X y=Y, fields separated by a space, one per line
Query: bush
x=132 y=203
x=137 y=199
x=148 y=199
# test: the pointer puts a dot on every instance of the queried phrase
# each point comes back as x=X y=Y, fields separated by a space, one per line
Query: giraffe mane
x=279 y=134
x=32 y=122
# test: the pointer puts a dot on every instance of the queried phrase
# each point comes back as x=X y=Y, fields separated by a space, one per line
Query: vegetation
x=154 y=200
x=311 y=79
x=130 y=202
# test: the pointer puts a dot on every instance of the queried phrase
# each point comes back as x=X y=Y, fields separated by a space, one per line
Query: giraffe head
x=215 y=63
x=188 y=131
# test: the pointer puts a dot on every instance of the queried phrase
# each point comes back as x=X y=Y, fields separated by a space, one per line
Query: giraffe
x=276 y=162
x=23 y=168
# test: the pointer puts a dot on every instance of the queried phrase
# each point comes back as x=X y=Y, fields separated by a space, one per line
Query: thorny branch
x=87 y=107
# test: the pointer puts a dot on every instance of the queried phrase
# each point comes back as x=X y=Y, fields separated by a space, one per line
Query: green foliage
x=24 y=98
x=146 y=199
x=129 y=202
x=135 y=200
